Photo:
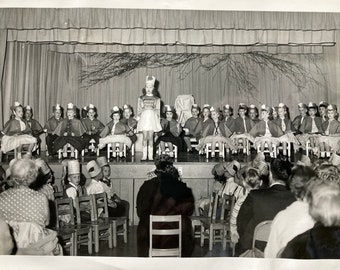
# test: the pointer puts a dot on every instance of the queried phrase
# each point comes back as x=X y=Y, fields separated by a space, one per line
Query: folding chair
x=221 y=152
x=261 y=233
x=167 y=151
x=113 y=150
x=166 y=228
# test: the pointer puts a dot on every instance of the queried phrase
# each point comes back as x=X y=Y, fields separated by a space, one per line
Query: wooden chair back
x=165 y=252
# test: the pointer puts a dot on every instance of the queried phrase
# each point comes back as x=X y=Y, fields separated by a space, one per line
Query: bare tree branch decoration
x=241 y=69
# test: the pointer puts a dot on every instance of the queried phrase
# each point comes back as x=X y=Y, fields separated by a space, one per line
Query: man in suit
x=264 y=204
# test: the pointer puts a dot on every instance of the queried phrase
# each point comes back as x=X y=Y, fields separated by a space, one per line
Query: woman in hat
x=265 y=131
x=130 y=121
x=37 y=129
x=70 y=131
x=148 y=112
x=50 y=127
x=192 y=127
x=331 y=129
x=323 y=110
x=17 y=133
x=216 y=133
x=115 y=132
x=93 y=127
x=171 y=130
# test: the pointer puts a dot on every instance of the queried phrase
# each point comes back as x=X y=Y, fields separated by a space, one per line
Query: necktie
x=113 y=129
x=244 y=124
x=283 y=126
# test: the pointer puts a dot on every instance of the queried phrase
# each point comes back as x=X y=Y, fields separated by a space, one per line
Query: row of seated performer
x=316 y=127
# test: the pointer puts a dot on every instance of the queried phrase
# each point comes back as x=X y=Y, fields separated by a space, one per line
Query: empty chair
x=162 y=229
x=217 y=227
x=261 y=233
x=101 y=225
x=119 y=224
x=71 y=234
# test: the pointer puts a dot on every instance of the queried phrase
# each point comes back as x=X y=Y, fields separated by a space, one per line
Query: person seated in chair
x=115 y=132
x=17 y=133
x=93 y=127
x=264 y=204
x=70 y=131
x=192 y=127
x=129 y=120
x=50 y=127
x=36 y=128
x=171 y=130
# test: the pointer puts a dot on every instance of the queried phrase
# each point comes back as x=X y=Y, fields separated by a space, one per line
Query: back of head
x=299 y=180
x=24 y=172
x=324 y=202
x=280 y=170
x=328 y=173
x=162 y=162
x=252 y=178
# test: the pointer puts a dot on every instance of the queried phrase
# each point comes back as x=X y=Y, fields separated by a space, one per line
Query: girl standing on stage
x=17 y=132
x=149 y=114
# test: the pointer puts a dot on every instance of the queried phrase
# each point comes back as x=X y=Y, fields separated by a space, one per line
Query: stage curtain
x=3 y=46
x=37 y=77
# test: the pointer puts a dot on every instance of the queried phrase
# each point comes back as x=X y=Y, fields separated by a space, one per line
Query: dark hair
x=281 y=169
x=299 y=180
x=155 y=92
x=161 y=162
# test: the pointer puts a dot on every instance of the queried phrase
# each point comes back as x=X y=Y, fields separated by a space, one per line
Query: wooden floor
x=130 y=249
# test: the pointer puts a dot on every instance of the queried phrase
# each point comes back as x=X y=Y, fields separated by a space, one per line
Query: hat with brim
x=15 y=105
x=93 y=168
x=57 y=107
x=233 y=167
x=266 y=108
x=102 y=161
x=323 y=104
x=332 y=107
x=115 y=109
x=71 y=107
x=242 y=106
x=312 y=105
x=169 y=108
x=302 y=105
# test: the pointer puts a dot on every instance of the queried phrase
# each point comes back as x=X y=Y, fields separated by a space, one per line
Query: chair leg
x=202 y=236
x=110 y=236
x=96 y=239
x=211 y=238
x=114 y=233
x=90 y=242
x=125 y=231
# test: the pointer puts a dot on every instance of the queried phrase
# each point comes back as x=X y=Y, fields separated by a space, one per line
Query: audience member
x=27 y=212
x=264 y=204
x=295 y=219
x=321 y=241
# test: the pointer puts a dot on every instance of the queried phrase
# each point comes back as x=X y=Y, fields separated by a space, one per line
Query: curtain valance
x=96 y=18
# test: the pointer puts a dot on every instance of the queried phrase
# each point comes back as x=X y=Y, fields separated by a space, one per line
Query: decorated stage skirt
x=9 y=143
x=149 y=121
x=216 y=139
x=114 y=139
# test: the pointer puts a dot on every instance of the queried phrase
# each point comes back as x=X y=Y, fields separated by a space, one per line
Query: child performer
x=228 y=119
x=130 y=121
x=149 y=116
x=171 y=130
x=323 y=110
x=265 y=130
x=115 y=132
x=122 y=206
x=36 y=128
x=216 y=133
x=70 y=131
x=92 y=125
x=50 y=126
x=192 y=126
x=17 y=132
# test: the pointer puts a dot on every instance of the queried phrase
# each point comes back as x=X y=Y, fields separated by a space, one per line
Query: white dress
x=149 y=111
